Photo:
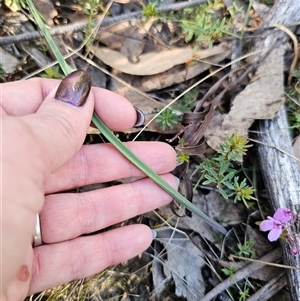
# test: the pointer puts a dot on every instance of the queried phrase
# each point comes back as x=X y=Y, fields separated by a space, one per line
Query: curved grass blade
x=116 y=142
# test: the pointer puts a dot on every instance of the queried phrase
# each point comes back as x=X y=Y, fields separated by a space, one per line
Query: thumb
x=61 y=122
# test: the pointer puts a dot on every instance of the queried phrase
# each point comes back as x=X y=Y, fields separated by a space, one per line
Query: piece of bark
x=280 y=171
x=282 y=181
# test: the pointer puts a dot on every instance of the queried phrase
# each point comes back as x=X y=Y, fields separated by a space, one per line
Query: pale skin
x=42 y=155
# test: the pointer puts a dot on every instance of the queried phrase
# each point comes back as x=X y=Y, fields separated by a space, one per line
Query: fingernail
x=140 y=118
x=74 y=88
x=154 y=233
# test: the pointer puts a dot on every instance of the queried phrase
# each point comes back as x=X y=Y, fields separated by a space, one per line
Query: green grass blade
x=116 y=142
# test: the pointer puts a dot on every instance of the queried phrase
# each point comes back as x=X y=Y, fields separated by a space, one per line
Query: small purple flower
x=274 y=226
x=283 y=215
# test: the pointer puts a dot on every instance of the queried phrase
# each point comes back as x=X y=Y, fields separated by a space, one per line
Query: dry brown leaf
x=46 y=9
x=184 y=263
x=134 y=44
x=115 y=35
x=181 y=73
x=152 y=62
x=260 y=8
x=261 y=99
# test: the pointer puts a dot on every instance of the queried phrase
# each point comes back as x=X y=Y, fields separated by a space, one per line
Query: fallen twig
x=270 y=289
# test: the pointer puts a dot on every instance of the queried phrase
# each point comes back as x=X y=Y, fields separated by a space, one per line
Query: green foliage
x=244 y=294
x=168 y=118
x=234 y=147
x=242 y=191
x=183 y=157
x=234 y=9
x=187 y=102
x=43 y=48
x=220 y=170
x=90 y=8
x=211 y=6
x=296 y=120
x=247 y=249
x=207 y=22
x=218 y=173
x=182 y=143
x=150 y=10
x=203 y=28
x=172 y=115
x=293 y=104
x=229 y=271
x=52 y=72
x=201 y=24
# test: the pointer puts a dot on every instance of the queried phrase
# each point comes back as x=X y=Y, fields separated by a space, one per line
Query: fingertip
x=114 y=110
x=169 y=154
x=143 y=236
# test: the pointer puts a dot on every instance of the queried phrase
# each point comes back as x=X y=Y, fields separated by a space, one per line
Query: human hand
x=42 y=155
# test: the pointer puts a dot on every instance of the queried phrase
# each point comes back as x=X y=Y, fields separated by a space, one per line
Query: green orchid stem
x=151 y=174
x=115 y=141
